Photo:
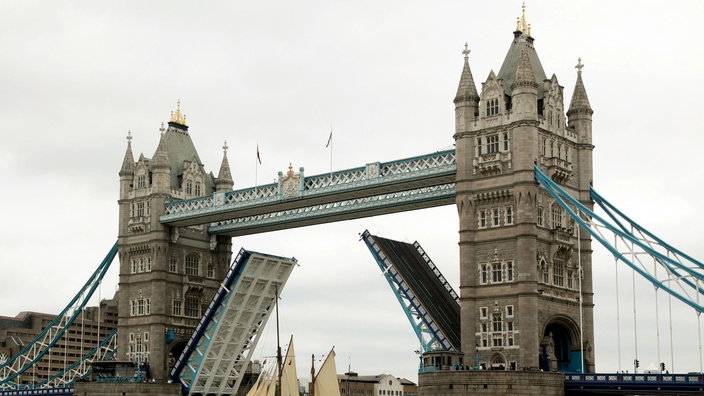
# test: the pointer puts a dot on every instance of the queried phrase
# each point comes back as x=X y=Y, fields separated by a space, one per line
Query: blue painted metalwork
x=429 y=334
x=65 y=391
x=629 y=384
x=80 y=368
x=687 y=291
x=232 y=275
x=372 y=179
x=222 y=345
x=42 y=343
x=340 y=210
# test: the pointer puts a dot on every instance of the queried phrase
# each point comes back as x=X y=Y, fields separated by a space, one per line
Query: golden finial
x=521 y=24
x=290 y=169
x=177 y=117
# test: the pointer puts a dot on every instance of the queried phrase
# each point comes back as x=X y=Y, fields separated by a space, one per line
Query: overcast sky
x=75 y=77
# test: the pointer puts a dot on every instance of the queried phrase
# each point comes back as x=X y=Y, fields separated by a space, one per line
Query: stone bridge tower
x=521 y=256
x=167 y=275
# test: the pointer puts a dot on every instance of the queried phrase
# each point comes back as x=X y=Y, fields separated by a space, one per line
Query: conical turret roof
x=579 y=101
x=466 y=90
x=127 y=168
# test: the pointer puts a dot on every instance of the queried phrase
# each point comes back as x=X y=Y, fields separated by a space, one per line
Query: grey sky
x=76 y=76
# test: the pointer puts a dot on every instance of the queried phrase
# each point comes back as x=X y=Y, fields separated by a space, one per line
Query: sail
x=270 y=389
x=326 y=381
x=256 y=388
x=289 y=376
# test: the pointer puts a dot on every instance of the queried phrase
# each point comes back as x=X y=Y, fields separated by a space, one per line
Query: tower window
x=192 y=265
x=479 y=146
x=492 y=144
x=483 y=312
x=172 y=264
x=509 y=215
x=540 y=216
x=198 y=189
x=482 y=218
x=492 y=107
x=495 y=216
x=505 y=141
x=509 y=271
x=556 y=216
x=496 y=273
x=192 y=307
x=141 y=181
x=189 y=187
x=497 y=323
x=483 y=273
x=558 y=274
x=176 y=308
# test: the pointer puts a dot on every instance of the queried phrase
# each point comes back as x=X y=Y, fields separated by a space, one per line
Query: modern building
x=168 y=275
x=525 y=269
x=84 y=334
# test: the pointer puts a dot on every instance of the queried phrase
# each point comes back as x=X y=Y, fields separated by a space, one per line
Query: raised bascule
x=521 y=178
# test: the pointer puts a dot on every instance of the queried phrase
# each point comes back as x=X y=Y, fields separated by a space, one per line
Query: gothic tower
x=167 y=275
x=520 y=254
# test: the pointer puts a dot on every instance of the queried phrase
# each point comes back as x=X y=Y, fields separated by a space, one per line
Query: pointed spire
x=524 y=71
x=127 y=168
x=224 y=180
x=467 y=90
x=580 y=101
x=160 y=160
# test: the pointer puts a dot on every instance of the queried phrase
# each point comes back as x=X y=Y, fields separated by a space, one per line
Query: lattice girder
x=420 y=198
x=42 y=343
x=224 y=341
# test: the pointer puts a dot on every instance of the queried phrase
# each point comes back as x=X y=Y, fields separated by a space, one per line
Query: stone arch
x=497 y=361
x=175 y=348
x=560 y=345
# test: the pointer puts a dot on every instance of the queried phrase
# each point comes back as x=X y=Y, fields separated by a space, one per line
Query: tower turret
x=127 y=170
x=467 y=99
x=580 y=112
x=224 y=180
x=161 y=169
x=524 y=90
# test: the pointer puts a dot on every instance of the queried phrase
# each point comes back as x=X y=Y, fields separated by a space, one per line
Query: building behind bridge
x=85 y=334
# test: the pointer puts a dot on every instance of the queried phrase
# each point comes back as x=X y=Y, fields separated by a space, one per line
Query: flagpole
x=256 y=170
x=330 y=142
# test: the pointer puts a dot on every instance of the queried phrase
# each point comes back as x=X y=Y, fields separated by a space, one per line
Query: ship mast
x=279 y=360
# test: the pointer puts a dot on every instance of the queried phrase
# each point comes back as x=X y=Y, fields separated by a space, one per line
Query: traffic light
x=662 y=367
x=636 y=363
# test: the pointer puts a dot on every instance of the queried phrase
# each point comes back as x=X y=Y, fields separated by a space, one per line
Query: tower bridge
x=520 y=176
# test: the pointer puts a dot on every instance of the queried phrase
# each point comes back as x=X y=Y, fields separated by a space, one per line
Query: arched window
x=192 y=265
x=197 y=189
x=189 y=187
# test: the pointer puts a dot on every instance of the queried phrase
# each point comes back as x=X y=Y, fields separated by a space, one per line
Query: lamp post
x=476 y=356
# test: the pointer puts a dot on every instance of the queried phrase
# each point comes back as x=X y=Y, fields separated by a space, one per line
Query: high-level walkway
x=295 y=200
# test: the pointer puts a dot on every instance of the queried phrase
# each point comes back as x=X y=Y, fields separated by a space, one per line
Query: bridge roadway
x=295 y=200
